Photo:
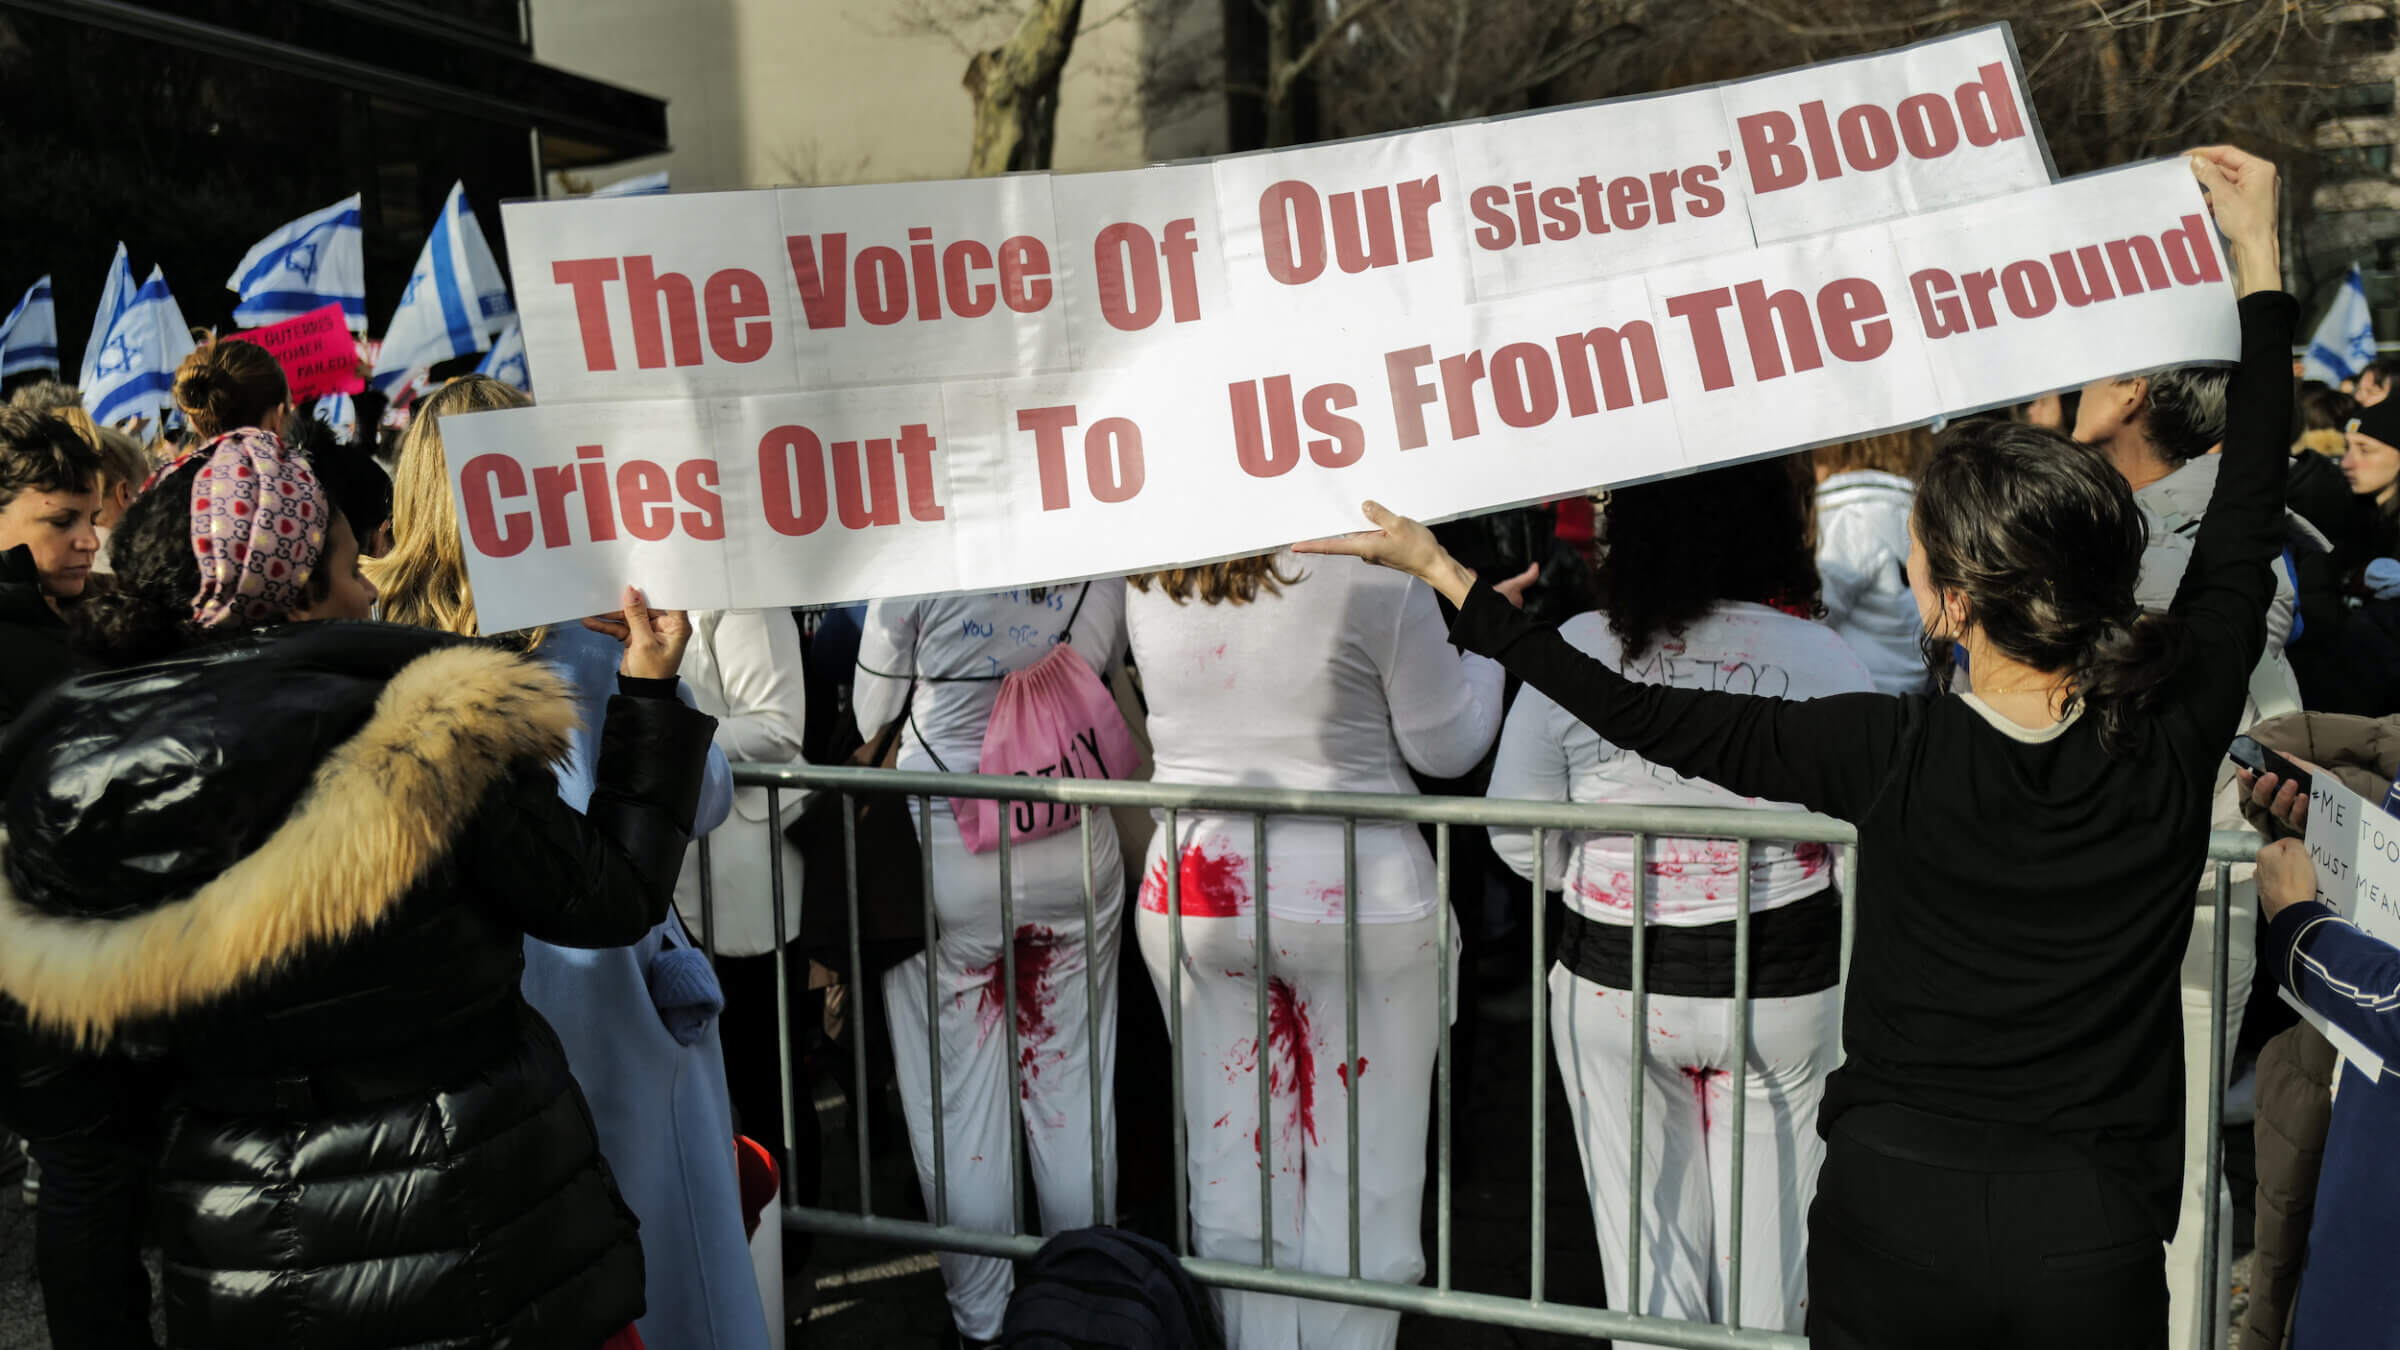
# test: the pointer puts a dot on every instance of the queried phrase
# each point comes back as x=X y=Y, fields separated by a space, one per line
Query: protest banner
x=822 y=395
x=316 y=351
x=2356 y=846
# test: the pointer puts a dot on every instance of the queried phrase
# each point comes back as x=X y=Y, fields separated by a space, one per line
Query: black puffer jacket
x=300 y=867
x=33 y=639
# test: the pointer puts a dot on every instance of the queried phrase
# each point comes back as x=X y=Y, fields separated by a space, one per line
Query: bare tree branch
x=1299 y=65
x=1015 y=88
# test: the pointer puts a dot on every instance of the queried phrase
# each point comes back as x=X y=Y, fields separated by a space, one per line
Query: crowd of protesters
x=364 y=964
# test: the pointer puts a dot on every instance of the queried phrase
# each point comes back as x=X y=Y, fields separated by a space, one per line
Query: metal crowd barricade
x=1534 y=1312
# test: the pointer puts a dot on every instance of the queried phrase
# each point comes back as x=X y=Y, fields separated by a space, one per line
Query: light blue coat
x=665 y=1122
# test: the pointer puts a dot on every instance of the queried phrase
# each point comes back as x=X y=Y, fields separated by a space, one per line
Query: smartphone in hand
x=2249 y=754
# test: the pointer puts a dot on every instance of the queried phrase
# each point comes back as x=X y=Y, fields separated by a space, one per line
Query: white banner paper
x=811 y=396
x=2356 y=845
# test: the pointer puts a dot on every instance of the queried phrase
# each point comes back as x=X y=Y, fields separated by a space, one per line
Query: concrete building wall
x=769 y=92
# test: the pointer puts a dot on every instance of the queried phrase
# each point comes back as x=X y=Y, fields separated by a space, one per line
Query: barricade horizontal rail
x=1744 y=826
x=1706 y=822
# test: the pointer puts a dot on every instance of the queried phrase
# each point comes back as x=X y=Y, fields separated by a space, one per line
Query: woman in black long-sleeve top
x=2004 y=1138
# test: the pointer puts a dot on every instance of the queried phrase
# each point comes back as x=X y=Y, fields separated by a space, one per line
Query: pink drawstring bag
x=1053 y=719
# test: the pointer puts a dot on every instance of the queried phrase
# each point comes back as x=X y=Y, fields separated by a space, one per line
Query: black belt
x=1795 y=949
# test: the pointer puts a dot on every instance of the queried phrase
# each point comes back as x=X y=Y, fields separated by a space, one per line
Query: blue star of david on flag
x=302 y=260
x=117 y=357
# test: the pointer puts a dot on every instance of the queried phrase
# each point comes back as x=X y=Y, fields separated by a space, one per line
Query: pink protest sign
x=315 y=351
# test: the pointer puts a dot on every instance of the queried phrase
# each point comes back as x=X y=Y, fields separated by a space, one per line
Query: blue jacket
x=2348 y=1298
x=660 y=1107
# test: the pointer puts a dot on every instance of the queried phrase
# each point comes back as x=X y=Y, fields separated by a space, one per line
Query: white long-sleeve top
x=743 y=668
x=1546 y=755
x=1862 y=558
x=959 y=647
x=1343 y=682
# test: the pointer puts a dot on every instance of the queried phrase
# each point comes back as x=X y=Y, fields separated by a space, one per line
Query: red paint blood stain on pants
x=1812 y=858
x=1701 y=1081
x=1036 y=953
x=1342 y=1071
x=1293 y=1063
x=1213 y=888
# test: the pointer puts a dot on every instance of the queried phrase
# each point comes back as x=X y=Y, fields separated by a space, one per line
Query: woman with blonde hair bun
x=653 y=1069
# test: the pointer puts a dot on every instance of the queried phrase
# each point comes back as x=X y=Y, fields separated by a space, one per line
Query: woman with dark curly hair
x=292 y=864
x=1709 y=582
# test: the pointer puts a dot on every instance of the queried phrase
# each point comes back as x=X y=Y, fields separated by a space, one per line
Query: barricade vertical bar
x=1008 y=1018
x=1266 y=1098
x=783 y=1002
x=1183 y=1180
x=1841 y=998
x=1741 y=1074
x=2211 y=1277
x=858 y=1001
x=1641 y=1070
x=708 y=901
x=1091 y=1014
x=1849 y=925
x=1441 y=1082
x=1541 y=1051
x=933 y=1019
x=1350 y=1073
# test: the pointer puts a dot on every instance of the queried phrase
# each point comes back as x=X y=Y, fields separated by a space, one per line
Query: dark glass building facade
x=190 y=128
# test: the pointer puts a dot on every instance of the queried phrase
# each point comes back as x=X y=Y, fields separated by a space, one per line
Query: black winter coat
x=300 y=866
x=33 y=639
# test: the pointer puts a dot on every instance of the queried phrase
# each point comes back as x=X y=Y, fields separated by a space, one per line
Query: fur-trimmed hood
x=175 y=831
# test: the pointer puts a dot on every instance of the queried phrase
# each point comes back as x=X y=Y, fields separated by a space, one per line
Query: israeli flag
x=29 y=337
x=2345 y=341
x=131 y=371
x=318 y=260
x=640 y=185
x=338 y=412
x=455 y=303
x=505 y=362
x=115 y=296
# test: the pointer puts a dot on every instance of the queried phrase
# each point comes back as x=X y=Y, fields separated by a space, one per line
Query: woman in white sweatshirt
x=743 y=668
x=954 y=652
x=1708 y=583
x=1335 y=677
x=1864 y=491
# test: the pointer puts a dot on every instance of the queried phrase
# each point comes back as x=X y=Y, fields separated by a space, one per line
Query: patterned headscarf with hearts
x=258 y=529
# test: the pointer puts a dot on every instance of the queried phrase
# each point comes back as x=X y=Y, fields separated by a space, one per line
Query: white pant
x=1687 y=1144
x=1310 y=1084
x=2190 y=1324
x=1056 y=1050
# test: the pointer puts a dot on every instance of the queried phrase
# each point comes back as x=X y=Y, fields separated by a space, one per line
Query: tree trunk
x=1015 y=88
x=1280 y=128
